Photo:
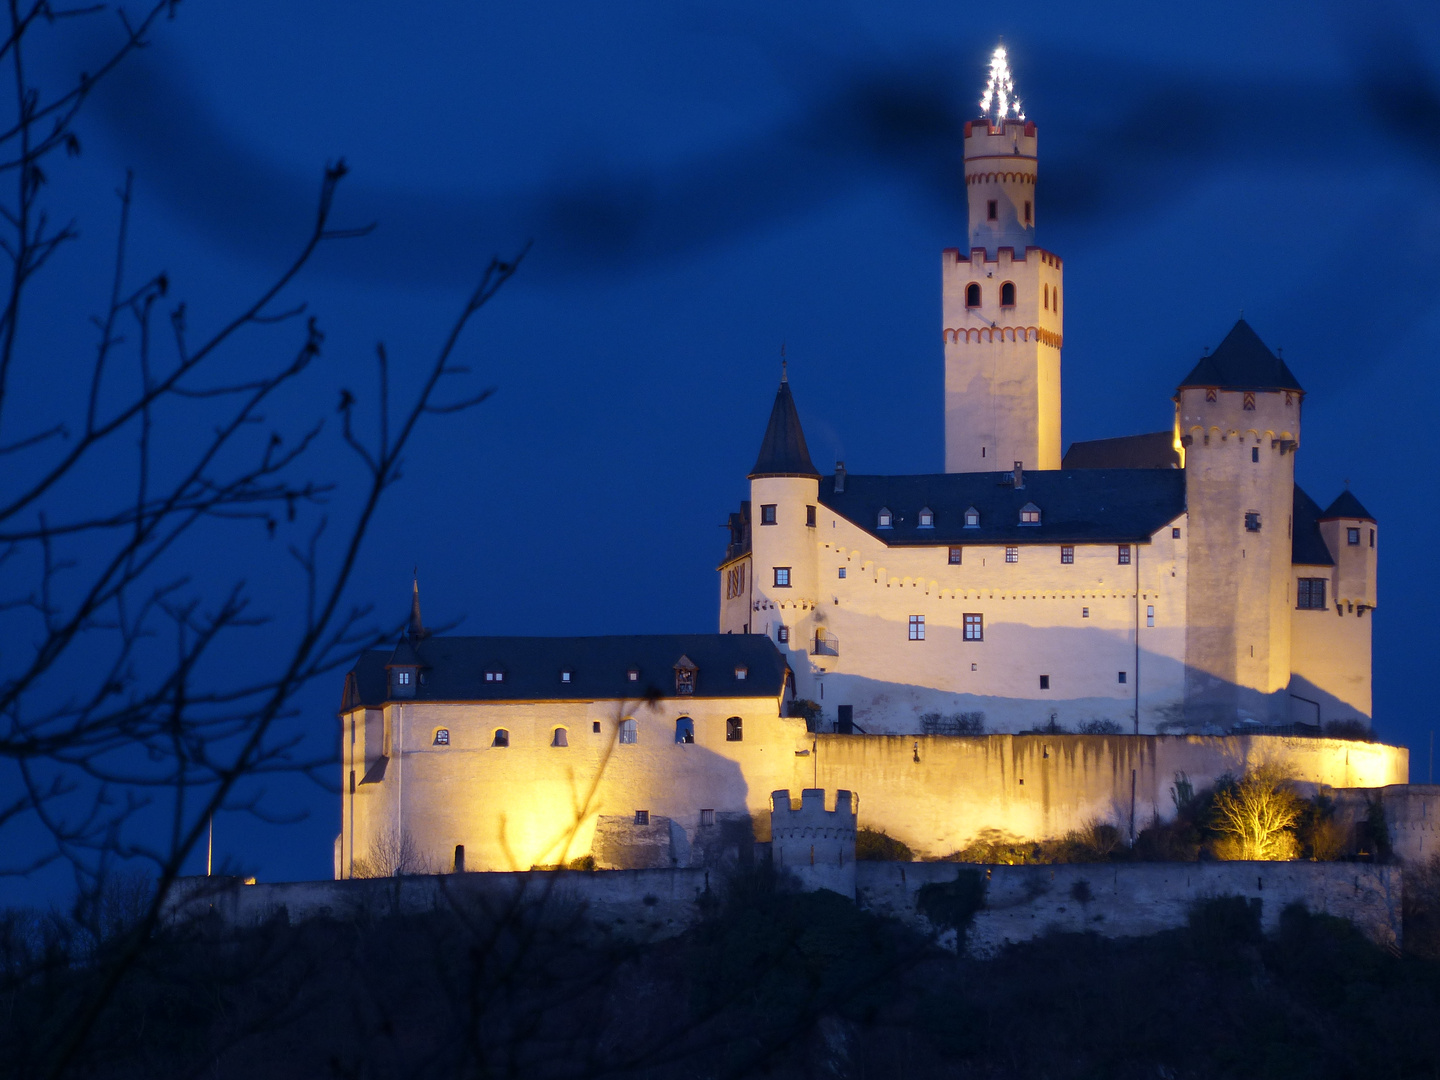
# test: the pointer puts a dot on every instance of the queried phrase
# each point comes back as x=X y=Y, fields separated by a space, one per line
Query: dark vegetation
x=769 y=983
x=872 y=845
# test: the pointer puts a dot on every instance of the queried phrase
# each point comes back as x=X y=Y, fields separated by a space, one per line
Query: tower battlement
x=815 y=844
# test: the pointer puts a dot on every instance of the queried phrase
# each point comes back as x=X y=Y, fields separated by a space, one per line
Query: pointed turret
x=783 y=451
x=1242 y=362
x=1347 y=506
x=416 y=630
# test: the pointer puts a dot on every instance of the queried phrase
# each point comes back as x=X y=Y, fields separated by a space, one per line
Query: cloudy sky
x=702 y=182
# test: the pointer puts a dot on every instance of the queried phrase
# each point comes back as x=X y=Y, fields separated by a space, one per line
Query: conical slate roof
x=416 y=630
x=1346 y=506
x=1242 y=362
x=783 y=451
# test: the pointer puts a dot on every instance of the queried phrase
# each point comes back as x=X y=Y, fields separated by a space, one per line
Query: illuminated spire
x=1000 y=102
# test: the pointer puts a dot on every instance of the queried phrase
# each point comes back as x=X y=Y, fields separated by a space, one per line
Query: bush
x=951 y=905
x=873 y=845
x=1421 y=909
x=804 y=709
x=1349 y=729
x=1101 y=727
x=962 y=723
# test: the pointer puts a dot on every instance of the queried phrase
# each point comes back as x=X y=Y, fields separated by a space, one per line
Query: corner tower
x=1001 y=301
x=1238 y=417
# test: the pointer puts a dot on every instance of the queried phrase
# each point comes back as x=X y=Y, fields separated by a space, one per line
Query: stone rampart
x=815 y=844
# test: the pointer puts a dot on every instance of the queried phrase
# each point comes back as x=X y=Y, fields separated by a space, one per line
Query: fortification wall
x=1412 y=816
x=1023 y=902
x=940 y=793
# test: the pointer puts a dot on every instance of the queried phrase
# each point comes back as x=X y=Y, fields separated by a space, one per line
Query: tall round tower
x=1001 y=300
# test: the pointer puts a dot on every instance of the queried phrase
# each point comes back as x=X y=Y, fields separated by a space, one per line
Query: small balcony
x=825 y=644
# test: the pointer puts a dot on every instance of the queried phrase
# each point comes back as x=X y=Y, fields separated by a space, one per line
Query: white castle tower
x=1001 y=298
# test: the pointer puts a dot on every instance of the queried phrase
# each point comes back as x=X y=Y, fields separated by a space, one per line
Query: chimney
x=839 y=478
x=1019 y=474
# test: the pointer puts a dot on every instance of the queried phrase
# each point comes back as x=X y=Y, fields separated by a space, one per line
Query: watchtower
x=815 y=844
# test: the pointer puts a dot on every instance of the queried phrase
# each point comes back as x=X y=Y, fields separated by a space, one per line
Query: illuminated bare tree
x=1257 y=815
x=115 y=700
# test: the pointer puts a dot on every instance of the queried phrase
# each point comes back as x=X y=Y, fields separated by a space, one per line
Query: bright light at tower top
x=1000 y=102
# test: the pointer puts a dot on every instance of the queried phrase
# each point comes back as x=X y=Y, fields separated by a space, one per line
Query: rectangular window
x=1175 y=534
x=1352 y=537
x=810 y=516
x=1027 y=211
x=917 y=627
x=992 y=210
x=1067 y=553
x=782 y=634
x=1122 y=677
x=842 y=573
x=707 y=817
x=1123 y=554
x=1254 y=453
x=565 y=676
x=741 y=673
x=402 y=678
x=1252 y=521
x=1310 y=594
x=1372 y=538
x=1012 y=554
x=974 y=627
x=642 y=817
x=767 y=514
x=782 y=577
x=955 y=553
x=1084 y=613
x=594 y=727
x=734 y=729
x=1044 y=682
x=1150 y=615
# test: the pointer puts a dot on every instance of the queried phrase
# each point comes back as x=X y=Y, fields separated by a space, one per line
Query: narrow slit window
x=1150 y=615
x=992 y=210
x=1044 y=682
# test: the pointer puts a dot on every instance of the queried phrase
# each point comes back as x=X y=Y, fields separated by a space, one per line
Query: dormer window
x=884 y=519
x=1029 y=514
x=565 y=675
x=927 y=518
x=685 y=670
x=742 y=673
x=494 y=675
x=633 y=674
x=972 y=518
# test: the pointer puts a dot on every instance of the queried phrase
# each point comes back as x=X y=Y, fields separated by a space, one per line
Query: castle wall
x=1330 y=656
x=736 y=595
x=1081 y=624
x=938 y=794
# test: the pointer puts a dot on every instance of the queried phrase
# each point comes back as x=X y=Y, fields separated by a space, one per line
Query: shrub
x=962 y=723
x=1101 y=727
x=873 y=845
x=1421 y=909
x=1350 y=729
x=951 y=905
x=804 y=709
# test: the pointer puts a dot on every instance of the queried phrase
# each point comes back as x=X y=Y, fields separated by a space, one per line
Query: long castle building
x=1024 y=643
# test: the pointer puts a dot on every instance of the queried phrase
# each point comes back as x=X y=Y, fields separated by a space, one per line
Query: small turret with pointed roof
x=405 y=663
x=1346 y=505
x=416 y=630
x=1242 y=362
x=782 y=450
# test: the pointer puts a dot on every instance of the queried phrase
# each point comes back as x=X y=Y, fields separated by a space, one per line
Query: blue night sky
x=703 y=182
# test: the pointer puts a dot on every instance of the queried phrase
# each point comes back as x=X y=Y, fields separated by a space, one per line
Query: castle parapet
x=815 y=844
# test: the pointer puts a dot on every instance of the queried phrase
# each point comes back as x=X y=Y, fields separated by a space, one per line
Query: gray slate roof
x=454 y=668
x=1242 y=362
x=1307 y=546
x=1076 y=505
x=782 y=450
x=1346 y=505
x=1155 y=450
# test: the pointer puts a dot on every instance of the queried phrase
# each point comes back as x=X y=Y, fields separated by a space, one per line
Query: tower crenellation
x=815 y=844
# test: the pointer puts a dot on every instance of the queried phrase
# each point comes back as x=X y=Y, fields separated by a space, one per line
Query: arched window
x=1045 y=292
x=502 y=737
x=684 y=730
x=927 y=518
x=560 y=738
x=734 y=729
x=883 y=520
x=1007 y=294
x=442 y=736
x=972 y=294
x=629 y=734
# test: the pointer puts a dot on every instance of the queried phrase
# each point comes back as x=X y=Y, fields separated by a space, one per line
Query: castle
x=1174 y=597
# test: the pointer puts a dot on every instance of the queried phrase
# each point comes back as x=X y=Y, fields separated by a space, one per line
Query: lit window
x=972 y=516
x=494 y=676
x=1123 y=554
x=642 y=817
x=734 y=729
x=502 y=738
x=782 y=577
x=1122 y=677
x=810 y=516
x=442 y=736
x=629 y=734
x=1007 y=294
x=1012 y=554
x=560 y=737
x=1044 y=682
x=974 y=627
x=972 y=295
x=1352 y=537
x=883 y=519
x=927 y=518
x=1067 y=553
x=633 y=674
x=741 y=673
x=917 y=627
x=1029 y=514
x=707 y=817
x=685 y=730
x=955 y=554
x=565 y=675
x=1150 y=615
x=782 y=634
x=402 y=678
x=767 y=514
x=842 y=573
x=1310 y=593
x=1252 y=521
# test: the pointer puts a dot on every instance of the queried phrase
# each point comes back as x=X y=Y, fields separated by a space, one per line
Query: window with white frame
x=917 y=627
x=972 y=518
x=927 y=518
x=629 y=734
x=884 y=519
x=1012 y=554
